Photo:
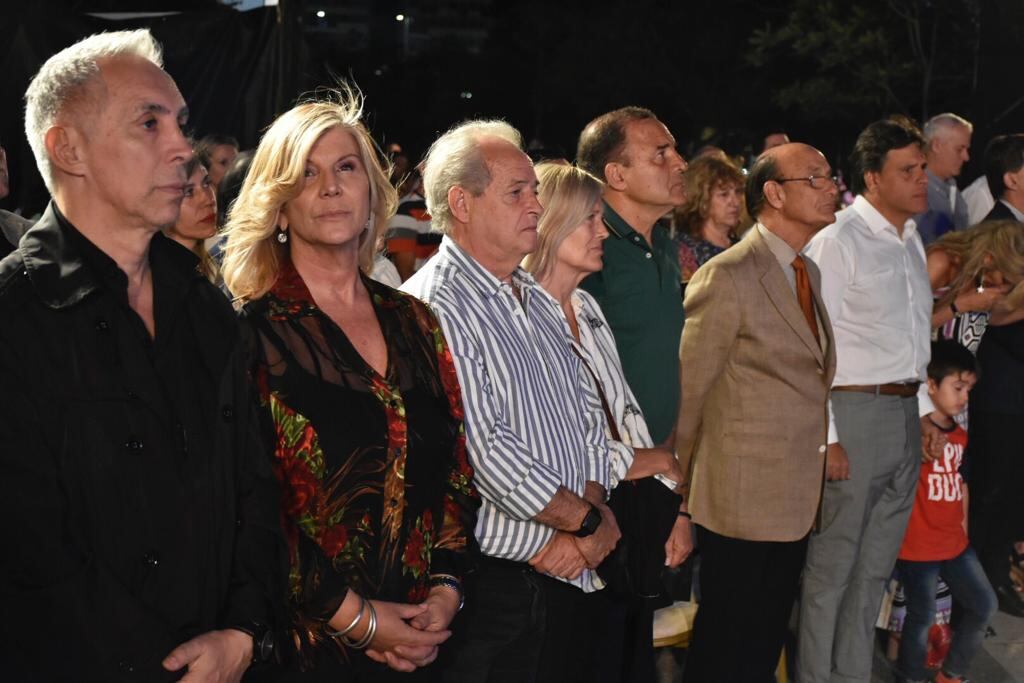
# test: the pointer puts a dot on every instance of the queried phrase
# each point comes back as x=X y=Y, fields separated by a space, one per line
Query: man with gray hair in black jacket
x=139 y=511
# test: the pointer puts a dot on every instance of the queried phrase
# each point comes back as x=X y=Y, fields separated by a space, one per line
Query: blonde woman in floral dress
x=362 y=403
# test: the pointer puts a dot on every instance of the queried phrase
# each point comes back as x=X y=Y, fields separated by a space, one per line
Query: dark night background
x=717 y=72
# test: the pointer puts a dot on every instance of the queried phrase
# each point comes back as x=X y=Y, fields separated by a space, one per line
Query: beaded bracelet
x=449 y=581
x=436 y=577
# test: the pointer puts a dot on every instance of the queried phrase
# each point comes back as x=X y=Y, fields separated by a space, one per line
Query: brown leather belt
x=905 y=390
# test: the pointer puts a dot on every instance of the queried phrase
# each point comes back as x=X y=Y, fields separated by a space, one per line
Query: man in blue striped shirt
x=534 y=425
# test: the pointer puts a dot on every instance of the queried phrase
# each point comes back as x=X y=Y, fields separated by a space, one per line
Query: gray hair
x=944 y=122
x=64 y=77
x=455 y=159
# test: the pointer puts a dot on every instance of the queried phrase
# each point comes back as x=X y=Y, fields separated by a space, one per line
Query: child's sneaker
x=942 y=677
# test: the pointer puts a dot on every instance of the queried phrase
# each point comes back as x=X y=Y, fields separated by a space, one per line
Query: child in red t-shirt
x=936 y=540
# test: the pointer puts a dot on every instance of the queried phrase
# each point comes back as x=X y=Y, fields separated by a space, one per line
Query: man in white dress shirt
x=874 y=283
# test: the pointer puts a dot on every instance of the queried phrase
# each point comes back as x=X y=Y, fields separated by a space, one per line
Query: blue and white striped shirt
x=533 y=422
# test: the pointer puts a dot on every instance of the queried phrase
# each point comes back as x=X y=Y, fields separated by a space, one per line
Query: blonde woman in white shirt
x=571 y=234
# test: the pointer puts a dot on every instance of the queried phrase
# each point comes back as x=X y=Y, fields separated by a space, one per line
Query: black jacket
x=1000 y=212
x=1000 y=387
x=137 y=506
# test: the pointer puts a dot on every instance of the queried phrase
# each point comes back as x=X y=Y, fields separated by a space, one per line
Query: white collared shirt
x=979 y=200
x=874 y=283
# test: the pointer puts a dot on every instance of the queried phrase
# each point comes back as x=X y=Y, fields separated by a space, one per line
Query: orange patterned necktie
x=803 y=294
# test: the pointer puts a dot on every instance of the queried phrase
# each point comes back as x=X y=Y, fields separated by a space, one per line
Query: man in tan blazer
x=757 y=362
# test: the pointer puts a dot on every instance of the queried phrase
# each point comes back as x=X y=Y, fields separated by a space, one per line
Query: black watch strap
x=590 y=523
x=262 y=641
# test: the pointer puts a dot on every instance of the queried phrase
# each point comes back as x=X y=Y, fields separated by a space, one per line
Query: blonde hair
x=252 y=255
x=567 y=194
x=64 y=79
x=455 y=159
x=992 y=245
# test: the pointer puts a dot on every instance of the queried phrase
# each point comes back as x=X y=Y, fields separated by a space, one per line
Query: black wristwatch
x=590 y=523
x=262 y=641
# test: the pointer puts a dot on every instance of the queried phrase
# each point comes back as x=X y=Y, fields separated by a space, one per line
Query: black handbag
x=645 y=510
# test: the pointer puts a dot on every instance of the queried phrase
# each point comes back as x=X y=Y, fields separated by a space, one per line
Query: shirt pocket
x=872 y=294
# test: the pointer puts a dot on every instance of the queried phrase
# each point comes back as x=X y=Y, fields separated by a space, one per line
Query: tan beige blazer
x=753 y=418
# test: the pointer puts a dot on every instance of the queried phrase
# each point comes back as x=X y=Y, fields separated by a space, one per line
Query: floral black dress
x=694 y=252
x=377 y=489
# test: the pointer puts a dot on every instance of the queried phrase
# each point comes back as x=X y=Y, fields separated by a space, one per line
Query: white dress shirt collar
x=879 y=223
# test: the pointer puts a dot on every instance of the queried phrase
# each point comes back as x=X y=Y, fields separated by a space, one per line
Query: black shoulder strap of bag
x=614 y=428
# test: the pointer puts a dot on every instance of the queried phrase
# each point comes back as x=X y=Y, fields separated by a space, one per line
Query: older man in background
x=947 y=148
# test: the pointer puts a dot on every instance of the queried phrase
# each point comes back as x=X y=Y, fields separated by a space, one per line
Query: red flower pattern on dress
x=315 y=501
x=334 y=540
x=415 y=549
x=302 y=487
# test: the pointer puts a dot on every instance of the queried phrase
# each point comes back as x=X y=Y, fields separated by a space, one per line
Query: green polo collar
x=622 y=230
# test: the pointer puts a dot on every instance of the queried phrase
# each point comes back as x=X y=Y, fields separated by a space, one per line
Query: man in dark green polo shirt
x=638 y=289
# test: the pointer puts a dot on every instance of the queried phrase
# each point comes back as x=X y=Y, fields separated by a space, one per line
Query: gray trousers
x=850 y=559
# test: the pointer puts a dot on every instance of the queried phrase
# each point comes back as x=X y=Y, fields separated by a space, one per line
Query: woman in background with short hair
x=709 y=218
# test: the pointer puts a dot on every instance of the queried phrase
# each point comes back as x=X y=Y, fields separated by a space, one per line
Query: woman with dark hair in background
x=197 y=221
x=217 y=152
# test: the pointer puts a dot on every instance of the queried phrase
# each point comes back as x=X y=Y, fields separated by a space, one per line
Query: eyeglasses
x=818 y=182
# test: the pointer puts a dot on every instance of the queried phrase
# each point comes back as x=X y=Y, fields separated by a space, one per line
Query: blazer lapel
x=826 y=323
x=782 y=297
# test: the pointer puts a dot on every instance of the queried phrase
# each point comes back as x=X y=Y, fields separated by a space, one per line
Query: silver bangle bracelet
x=355 y=622
x=371 y=631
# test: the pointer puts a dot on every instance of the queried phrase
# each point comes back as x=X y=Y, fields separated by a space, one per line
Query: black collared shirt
x=137 y=504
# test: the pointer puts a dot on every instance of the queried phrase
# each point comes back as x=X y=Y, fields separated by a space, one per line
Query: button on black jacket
x=137 y=506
